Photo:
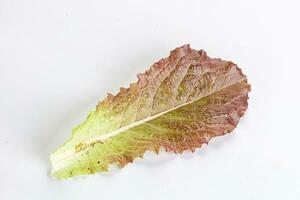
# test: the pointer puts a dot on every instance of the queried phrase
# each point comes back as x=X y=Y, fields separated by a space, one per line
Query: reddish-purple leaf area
x=180 y=103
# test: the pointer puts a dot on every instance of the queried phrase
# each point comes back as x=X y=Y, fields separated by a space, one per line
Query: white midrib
x=102 y=138
x=134 y=124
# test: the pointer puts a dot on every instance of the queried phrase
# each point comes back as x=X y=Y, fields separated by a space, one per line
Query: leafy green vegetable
x=180 y=103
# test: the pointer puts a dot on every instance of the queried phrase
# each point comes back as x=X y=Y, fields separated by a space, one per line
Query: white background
x=59 y=58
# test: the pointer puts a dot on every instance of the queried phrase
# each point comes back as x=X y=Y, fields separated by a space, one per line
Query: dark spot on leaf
x=90 y=170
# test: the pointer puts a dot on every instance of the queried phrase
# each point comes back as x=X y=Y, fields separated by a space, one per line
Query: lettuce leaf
x=180 y=103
